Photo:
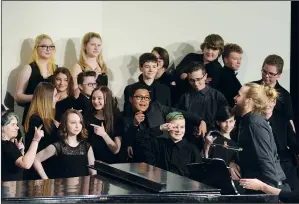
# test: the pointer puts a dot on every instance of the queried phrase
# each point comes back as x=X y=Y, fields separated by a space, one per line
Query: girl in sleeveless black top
x=104 y=125
x=63 y=82
x=34 y=73
x=73 y=153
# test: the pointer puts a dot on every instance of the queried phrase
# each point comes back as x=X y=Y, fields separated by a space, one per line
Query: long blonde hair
x=34 y=58
x=42 y=105
x=82 y=59
x=271 y=93
x=258 y=94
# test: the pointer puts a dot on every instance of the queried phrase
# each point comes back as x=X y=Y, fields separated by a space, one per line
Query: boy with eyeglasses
x=148 y=65
x=202 y=100
x=86 y=83
x=271 y=72
x=146 y=115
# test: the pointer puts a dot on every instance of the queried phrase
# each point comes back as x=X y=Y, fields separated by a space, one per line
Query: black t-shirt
x=9 y=155
x=100 y=148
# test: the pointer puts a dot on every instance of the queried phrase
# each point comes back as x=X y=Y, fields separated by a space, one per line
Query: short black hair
x=224 y=113
x=82 y=75
x=136 y=87
x=195 y=66
x=147 y=57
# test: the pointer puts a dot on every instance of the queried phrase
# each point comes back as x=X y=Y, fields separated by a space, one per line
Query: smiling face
x=149 y=70
x=140 y=100
x=270 y=74
x=233 y=60
x=178 y=131
x=210 y=54
x=10 y=130
x=98 y=100
x=228 y=125
x=61 y=82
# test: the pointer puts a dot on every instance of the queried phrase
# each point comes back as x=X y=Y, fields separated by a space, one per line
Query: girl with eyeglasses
x=104 y=124
x=41 y=68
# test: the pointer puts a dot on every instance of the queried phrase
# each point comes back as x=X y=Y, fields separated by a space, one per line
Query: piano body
x=126 y=182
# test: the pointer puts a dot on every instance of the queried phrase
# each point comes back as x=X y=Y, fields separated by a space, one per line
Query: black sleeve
x=168 y=97
x=288 y=106
x=119 y=127
x=11 y=151
x=221 y=100
x=34 y=121
x=130 y=131
x=127 y=105
x=190 y=117
x=291 y=139
x=266 y=161
x=214 y=71
x=289 y=197
x=182 y=102
x=183 y=65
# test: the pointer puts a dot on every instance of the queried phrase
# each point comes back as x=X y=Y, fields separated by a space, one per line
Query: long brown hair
x=42 y=105
x=62 y=130
x=82 y=59
x=70 y=82
x=110 y=110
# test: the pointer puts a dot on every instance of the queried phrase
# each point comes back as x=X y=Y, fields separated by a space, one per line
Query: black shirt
x=9 y=155
x=259 y=157
x=221 y=152
x=229 y=85
x=82 y=103
x=62 y=106
x=204 y=103
x=284 y=135
x=99 y=146
x=158 y=92
x=289 y=197
x=170 y=156
x=284 y=101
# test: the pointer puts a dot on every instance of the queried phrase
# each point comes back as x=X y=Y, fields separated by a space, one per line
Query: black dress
x=34 y=79
x=9 y=156
x=71 y=161
x=49 y=165
x=100 y=148
x=62 y=106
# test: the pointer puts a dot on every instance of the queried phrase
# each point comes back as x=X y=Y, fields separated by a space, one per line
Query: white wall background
x=129 y=29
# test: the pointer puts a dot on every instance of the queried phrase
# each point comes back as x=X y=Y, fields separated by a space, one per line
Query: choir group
x=71 y=117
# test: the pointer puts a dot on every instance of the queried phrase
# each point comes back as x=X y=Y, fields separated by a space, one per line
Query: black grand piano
x=126 y=182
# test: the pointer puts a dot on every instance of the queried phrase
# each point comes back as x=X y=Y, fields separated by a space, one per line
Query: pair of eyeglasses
x=271 y=74
x=46 y=47
x=140 y=98
x=91 y=84
x=193 y=81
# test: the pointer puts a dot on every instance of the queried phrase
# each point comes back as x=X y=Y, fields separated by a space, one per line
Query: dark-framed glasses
x=46 y=47
x=271 y=74
x=140 y=98
x=193 y=81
